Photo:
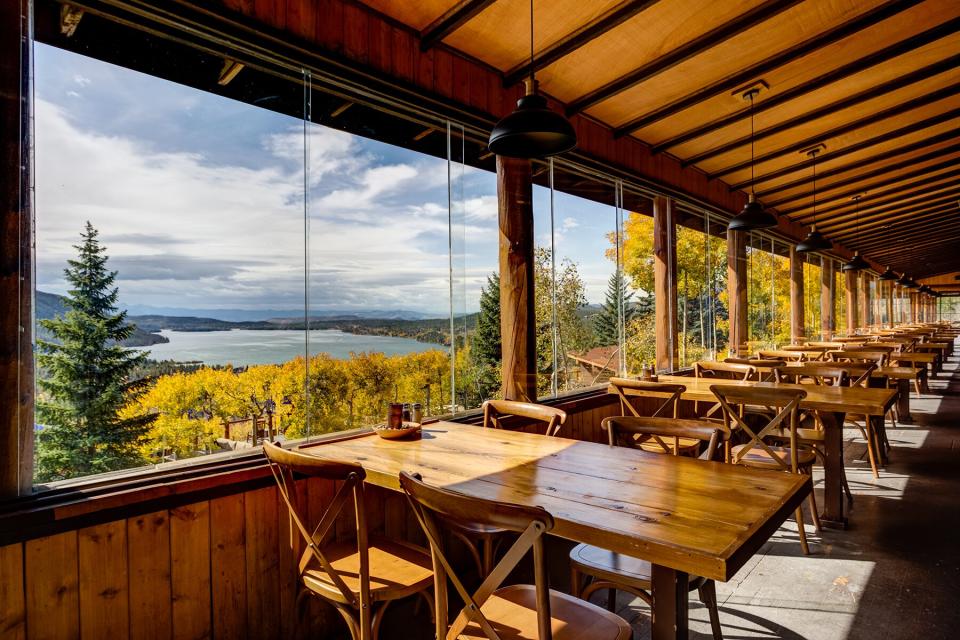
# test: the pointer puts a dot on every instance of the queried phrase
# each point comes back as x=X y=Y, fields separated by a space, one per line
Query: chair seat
x=687 y=445
x=512 y=612
x=397 y=570
x=758 y=457
x=616 y=567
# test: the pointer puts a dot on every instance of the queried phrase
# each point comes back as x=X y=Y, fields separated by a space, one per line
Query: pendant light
x=856 y=263
x=814 y=240
x=753 y=216
x=532 y=130
x=888 y=274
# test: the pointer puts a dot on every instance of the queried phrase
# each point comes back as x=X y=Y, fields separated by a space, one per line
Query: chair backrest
x=824 y=374
x=628 y=388
x=723 y=370
x=437 y=507
x=873 y=346
x=286 y=465
x=495 y=410
x=630 y=431
x=879 y=358
x=785 y=401
x=783 y=354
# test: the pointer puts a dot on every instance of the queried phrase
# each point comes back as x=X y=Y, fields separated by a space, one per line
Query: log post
x=853 y=309
x=796 y=297
x=665 y=284
x=16 y=285
x=737 y=290
x=517 y=321
x=827 y=281
x=890 y=286
x=864 y=300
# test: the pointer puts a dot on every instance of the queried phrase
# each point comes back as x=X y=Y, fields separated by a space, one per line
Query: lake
x=247 y=346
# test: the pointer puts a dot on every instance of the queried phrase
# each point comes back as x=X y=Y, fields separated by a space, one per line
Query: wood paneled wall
x=219 y=568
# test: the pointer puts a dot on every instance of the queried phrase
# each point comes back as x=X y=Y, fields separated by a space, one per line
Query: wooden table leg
x=832 y=515
x=903 y=401
x=879 y=424
x=670 y=600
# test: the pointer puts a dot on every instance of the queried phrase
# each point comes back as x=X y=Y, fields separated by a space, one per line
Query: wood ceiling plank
x=881 y=208
x=739 y=78
x=578 y=38
x=755 y=16
x=946 y=118
x=450 y=21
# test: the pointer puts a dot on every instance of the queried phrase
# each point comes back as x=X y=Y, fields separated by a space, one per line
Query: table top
x=705 y=518
x=896 y=373
x=871 y=401
x=914 y=356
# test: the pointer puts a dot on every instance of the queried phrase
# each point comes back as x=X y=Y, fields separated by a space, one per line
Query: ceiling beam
x=905 y=223
x=923 y=248
x=775 y=100
x=659 y=64
x=576 y=39
x=453 y=19
x=913 y=127
x=892 y=212
x=945 y=164
x=750 y=74
x=893 y=193
x=946 y=136
x=849 y=127
x=933 y=226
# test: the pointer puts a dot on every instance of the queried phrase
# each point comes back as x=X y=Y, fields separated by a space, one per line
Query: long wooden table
x=685 y=516
x=833 y=403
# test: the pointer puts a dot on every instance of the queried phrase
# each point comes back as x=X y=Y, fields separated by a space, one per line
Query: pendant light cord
x=533 y=82
x=753 y=184
x=813 y=154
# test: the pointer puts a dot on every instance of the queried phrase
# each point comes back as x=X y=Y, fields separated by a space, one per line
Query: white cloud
x=81 y=80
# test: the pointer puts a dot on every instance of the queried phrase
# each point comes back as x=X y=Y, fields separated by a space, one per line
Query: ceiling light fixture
x=753 y=216
x=888 y=274
x=815 y=241
x=532 y=130
x=856 y=263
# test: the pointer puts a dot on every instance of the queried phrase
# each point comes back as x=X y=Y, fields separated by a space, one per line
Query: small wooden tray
x=408 y=429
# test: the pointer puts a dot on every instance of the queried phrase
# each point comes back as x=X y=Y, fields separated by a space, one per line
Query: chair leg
x=612 y=600
x=813 y=511
x=708 y=596
x=871 y=450
x=846 y=485
x=487 y=556
x=377 y=619
x=574 y=582
x=802 y=531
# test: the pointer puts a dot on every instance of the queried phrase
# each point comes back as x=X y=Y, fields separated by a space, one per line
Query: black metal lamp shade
x=752 y=217
x=815 y=241
x=532 y=131
x=856 y=263
x=888 y=274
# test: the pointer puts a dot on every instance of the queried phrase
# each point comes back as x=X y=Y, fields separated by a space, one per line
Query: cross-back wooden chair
x=482 y=542
x=495 y=410
x=594 y=568
x=492 y=612
x=768 y=369
x=360 y=577
x=782 y=354
x=756 y=452
x=878 y=357
x=720 y=371
x=628 y=389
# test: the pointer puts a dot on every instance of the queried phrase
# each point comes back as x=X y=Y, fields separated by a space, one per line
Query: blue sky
x=200 y=201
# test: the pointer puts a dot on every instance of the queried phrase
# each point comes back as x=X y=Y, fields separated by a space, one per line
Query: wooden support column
x=16 y=285
x=850 y=286
x=517 y=322
x=913 y=307
x=827 y=281
x=796 y=296
x=864 y=300
x=890 y=321
x=665 y=284
x=737 y=290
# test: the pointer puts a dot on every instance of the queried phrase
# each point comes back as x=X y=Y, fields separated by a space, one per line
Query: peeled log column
x=665 y=283
x=737 y=289
x=518 y=340
x=827 y=281
x=890 y=321
x=850 y=278
x=796 y=297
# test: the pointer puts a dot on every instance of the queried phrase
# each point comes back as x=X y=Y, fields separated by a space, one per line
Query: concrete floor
x=893 y=574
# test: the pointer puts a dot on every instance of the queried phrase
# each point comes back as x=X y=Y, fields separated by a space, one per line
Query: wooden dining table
x=832 y=403
x=684 y=516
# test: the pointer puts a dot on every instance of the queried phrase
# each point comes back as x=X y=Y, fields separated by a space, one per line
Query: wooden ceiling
x=876 y=82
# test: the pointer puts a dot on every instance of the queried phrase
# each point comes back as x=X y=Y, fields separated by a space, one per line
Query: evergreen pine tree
x=85 y=375
x=605 y=324
x=487 y=338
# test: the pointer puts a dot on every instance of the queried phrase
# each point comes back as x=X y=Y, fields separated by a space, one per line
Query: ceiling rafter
x=578 y=38
x=913 y=127
x=888 y=212
x=453 y=19
x=902 y=221
x=873 y=118
x=946 y=136
x=708 y=40
x=777 y=99
x=947 y=162
x=740 y=78
x=933 y=224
